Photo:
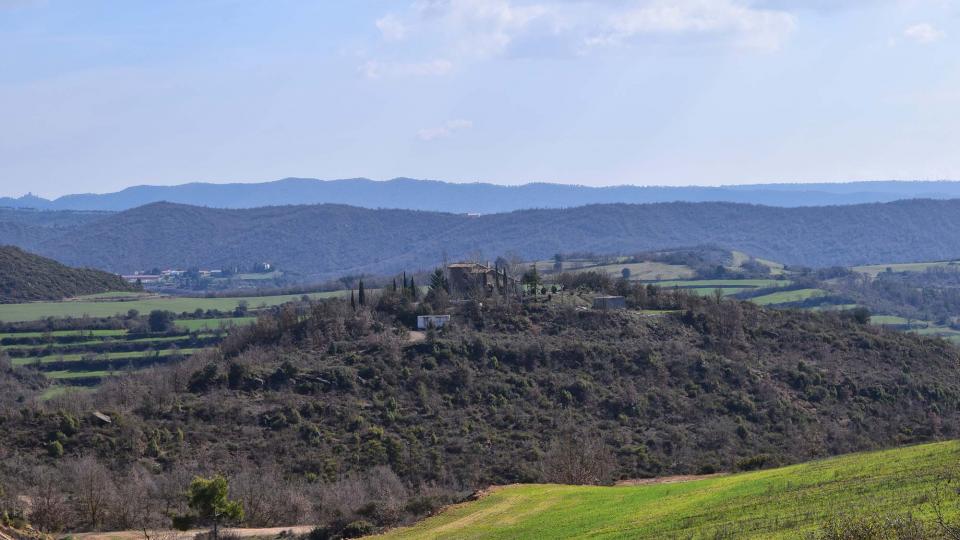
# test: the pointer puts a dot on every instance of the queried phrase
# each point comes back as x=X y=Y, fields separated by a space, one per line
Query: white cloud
x=468 y=30
x=374 y=69
x=750 y=27
x=923 y=33
x=446 y=130
x=391 y=28
x=479 y=27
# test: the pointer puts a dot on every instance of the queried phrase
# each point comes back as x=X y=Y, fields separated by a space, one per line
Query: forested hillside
x=329 y=240
x=320 y=394
x=25 y=277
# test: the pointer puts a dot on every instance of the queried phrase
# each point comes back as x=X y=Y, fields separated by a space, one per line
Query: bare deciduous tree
x=579 y=459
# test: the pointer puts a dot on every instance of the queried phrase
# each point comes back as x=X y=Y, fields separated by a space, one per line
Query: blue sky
x=99 y=95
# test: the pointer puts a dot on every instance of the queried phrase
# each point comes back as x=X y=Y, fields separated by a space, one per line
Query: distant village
x=199 y=278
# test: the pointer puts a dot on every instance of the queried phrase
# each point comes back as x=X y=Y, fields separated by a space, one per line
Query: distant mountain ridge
x=328 y=241
x=431 y=195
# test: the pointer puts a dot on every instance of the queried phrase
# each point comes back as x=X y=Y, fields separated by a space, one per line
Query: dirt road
x=188 y=535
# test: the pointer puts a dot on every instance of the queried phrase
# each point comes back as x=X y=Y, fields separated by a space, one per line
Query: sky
x=98 y=95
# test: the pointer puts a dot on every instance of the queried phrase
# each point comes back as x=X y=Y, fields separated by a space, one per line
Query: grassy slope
x=785 y=297
x=776 y=503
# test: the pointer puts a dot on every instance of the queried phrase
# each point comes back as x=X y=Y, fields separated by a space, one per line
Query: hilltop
x=329 y=241
x=26 y=277
x=319 y=393
x=437 y=196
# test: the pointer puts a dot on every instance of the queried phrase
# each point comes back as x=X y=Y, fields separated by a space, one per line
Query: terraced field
x=778 y=503
x=729 y=287
x=85 y=357
x=106 y=308
x=787 y=297
x=196 y=325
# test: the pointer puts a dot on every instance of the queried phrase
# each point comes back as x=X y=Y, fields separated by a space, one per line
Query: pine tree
x=362 y=295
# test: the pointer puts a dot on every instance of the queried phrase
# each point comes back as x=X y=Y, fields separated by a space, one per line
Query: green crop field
x=785 y=297
x=39 y=310
x=195 y=325
x=776 y=503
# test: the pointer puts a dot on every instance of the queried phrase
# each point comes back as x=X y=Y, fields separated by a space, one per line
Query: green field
x=51 y=359
x=67 y=374
x=259 y=277
x=195 y=325
x=777 y=503
x=873 y=269
x=892 y=319
x=723 y=283
x=61 y=391
x=740 y=257
x=643 y=270
x=64 y=333
x=39 y=310
x=786 y=297
x=78 y=344
x=706 y=287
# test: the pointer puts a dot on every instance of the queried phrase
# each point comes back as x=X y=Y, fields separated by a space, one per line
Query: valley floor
x=777 y=503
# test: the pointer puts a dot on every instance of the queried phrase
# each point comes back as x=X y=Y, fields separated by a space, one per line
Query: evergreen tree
x=394 y=284
x=531 y=278
x=207 y=498
x=413 y=289
x=353 y=300
x=362 y=295
x=438 y=281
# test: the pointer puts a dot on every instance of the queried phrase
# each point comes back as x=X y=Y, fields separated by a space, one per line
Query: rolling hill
x=322 y=241
x=778 y=503
x=316 y=401
x=26 y=277
x=410 y=194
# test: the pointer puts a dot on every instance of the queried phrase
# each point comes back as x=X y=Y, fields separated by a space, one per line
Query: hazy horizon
x=15 y=195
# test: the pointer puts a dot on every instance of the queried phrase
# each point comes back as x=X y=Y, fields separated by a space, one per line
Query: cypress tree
x=413 y=288
x=363 y=296
x=353 y=300
x=394 y=284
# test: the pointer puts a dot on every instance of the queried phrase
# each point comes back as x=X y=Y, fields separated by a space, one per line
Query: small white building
x=432 y=321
